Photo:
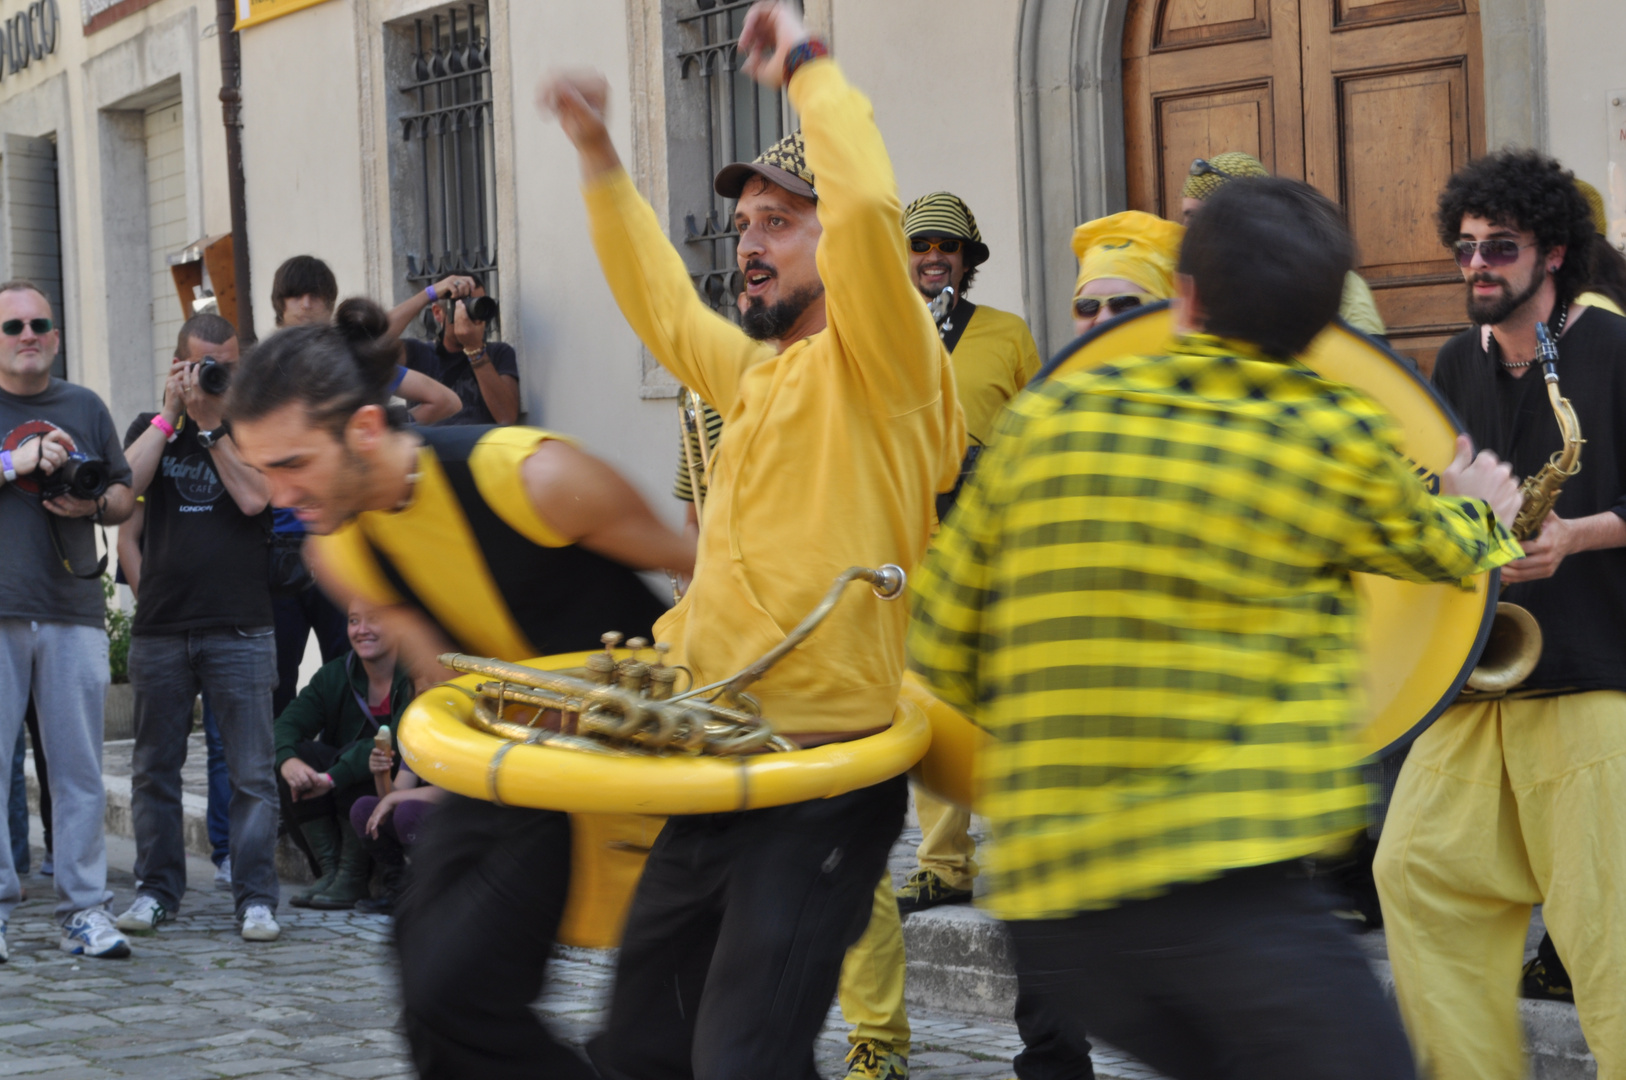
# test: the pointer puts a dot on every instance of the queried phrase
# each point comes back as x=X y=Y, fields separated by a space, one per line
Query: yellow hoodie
x=831 y=450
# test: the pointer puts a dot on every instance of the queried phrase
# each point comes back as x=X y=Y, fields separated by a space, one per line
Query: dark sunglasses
x=1502 y=251
x=920 y=245
x=1201 y=166
x=14 y=327
x=1088 y=307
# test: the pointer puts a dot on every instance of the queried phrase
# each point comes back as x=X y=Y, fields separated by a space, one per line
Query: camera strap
x=61 y=549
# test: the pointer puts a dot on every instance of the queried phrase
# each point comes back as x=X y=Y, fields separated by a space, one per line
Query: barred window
x=447 y=132
x=737 y=120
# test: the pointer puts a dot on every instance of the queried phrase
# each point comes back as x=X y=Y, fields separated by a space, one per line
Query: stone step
x=959 y=961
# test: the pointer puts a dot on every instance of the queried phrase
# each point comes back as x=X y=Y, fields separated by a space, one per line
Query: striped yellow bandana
x=1594 y=202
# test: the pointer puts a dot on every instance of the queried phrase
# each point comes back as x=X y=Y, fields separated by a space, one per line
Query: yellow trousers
x=946 y=847
x=1501 y=805
x=871 y=988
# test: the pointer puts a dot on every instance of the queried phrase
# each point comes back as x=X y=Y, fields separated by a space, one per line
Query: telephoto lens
x=482 y=308
x=214 y=377
x=80 y=476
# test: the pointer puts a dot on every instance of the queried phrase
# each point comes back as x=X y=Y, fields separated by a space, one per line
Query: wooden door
x=1375 y=102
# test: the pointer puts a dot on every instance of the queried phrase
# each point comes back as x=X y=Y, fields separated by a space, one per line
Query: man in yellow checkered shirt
x=1144 y=596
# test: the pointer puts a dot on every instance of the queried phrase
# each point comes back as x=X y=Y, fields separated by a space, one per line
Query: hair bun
x=361 y=320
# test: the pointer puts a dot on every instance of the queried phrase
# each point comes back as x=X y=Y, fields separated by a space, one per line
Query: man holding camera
x=53 y=641
x=483 y=374
x=203 y=622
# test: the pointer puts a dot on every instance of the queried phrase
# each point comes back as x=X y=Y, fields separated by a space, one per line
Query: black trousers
x=1047 y=1052
x=1249 y=976
x=734 y=943
x=474 y=930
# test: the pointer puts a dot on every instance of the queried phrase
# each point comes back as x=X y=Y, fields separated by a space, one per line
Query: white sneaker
x=5 y=953
x=258 y=925
x=143 y=916
x=90 y=933
x=223 y=873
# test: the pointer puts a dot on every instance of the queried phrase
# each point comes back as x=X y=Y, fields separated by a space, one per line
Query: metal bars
x=741 y=120
x=451 y=133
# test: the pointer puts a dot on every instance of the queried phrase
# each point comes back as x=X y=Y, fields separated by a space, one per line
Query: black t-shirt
x=33 y=582
x=1582 y=608
x=452 y=369
x=204 y=563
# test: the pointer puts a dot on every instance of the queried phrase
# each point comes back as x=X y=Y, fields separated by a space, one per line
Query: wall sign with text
x=27 y=36
x=255 y=12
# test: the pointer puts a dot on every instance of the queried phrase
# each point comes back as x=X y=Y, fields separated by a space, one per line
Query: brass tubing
x=1511 y=652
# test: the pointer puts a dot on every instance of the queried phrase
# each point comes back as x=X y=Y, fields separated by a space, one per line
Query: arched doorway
x=1375 y=102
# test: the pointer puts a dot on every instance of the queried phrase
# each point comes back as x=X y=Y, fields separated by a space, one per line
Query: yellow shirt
x=1599 y=300
x=831 y=450
x=993 y=360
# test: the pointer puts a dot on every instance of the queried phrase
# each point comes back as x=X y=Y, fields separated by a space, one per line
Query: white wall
x=1586 y=59
x=942 y=77
x=302 y=149
x=581 y=363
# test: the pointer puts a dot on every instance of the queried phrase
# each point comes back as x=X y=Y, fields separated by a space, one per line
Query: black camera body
x=214 y=378
x=80 y=476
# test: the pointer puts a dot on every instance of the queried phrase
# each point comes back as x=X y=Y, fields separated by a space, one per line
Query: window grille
x=741 y=120
x=449 y=130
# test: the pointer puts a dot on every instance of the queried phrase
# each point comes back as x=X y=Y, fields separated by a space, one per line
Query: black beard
x=765 y=322
x=1496 y=311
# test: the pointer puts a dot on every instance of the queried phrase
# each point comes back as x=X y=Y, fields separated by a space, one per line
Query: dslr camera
x=481 y=309
x=214 y=378
x=81 y=476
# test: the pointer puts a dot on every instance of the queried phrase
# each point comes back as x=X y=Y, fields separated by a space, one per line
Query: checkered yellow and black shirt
x=1144 y=595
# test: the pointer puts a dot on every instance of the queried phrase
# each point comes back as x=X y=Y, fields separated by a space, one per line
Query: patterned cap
x=1594 y=202
x=1231 y=165
x=944 y=214
x=784 y=163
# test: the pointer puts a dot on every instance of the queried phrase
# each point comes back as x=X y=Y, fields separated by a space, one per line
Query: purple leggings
x=403 y=826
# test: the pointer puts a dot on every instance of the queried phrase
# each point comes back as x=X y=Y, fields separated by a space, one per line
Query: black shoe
x=383 y=905
x=1540 y=983
x=924 y=889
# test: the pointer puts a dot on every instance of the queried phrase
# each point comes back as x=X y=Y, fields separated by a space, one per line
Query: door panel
x=1206 y=22
x=1374 y=102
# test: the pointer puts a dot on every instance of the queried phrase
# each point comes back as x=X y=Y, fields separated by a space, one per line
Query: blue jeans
x=297 y=617
x=219 y=813
x=237 y=668
x=17 y=807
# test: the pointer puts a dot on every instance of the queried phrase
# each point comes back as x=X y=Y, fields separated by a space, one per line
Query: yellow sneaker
x=924 y=889
x=872 y=1059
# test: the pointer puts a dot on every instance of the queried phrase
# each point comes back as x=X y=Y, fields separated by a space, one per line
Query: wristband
x=811 y=49
x=6 y=468
x=165 y=426
x=329 y=778
x=429 y=290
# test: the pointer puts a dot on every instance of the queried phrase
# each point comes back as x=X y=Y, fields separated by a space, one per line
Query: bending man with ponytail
x=499 y=541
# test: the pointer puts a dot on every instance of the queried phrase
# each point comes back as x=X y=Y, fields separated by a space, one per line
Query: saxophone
x=1514 y=646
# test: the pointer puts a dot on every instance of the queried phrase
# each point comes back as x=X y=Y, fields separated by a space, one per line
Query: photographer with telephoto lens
x=483 y=374
x=203 y=622
x=57 y=443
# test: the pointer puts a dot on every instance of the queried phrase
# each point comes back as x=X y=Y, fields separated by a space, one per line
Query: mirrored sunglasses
x=1502 y=251
x=14 y=327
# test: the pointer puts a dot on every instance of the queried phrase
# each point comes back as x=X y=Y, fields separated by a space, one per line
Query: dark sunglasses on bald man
x=1088 y=307
x=922 y=244
x=14 y=327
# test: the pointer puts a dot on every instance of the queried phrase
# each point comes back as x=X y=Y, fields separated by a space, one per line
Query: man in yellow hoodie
x=836 y=435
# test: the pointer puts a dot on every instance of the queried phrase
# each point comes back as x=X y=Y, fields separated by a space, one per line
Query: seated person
x=389 y=825
x=324 y=742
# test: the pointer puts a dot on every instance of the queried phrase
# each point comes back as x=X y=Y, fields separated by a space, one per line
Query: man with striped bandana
x=1145 y=597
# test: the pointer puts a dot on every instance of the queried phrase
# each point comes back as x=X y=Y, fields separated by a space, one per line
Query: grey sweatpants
x=65 y=666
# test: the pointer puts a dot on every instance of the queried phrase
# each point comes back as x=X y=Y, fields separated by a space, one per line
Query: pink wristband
x=329 y=778
x=165 y=426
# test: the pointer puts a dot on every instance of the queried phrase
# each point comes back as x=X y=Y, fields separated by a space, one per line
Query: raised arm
x=645 y=272
x=872 y=307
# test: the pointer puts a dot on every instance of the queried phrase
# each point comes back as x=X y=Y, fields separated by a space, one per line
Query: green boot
x=322 y=834
x=355 y=874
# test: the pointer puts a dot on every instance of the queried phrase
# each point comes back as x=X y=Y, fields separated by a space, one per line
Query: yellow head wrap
x=1135 y=246
x=1231 y=165
x=1594 y=201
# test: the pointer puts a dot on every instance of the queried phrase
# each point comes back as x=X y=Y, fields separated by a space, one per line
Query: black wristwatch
x=207 y=439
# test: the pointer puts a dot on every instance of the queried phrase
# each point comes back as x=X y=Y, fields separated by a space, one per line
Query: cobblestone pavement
x=197 y=1002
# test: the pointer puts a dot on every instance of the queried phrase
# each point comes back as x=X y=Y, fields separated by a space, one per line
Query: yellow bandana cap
x=1133 y=245
x=1231 y=165
x=943 y=213
x=1594 y=202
